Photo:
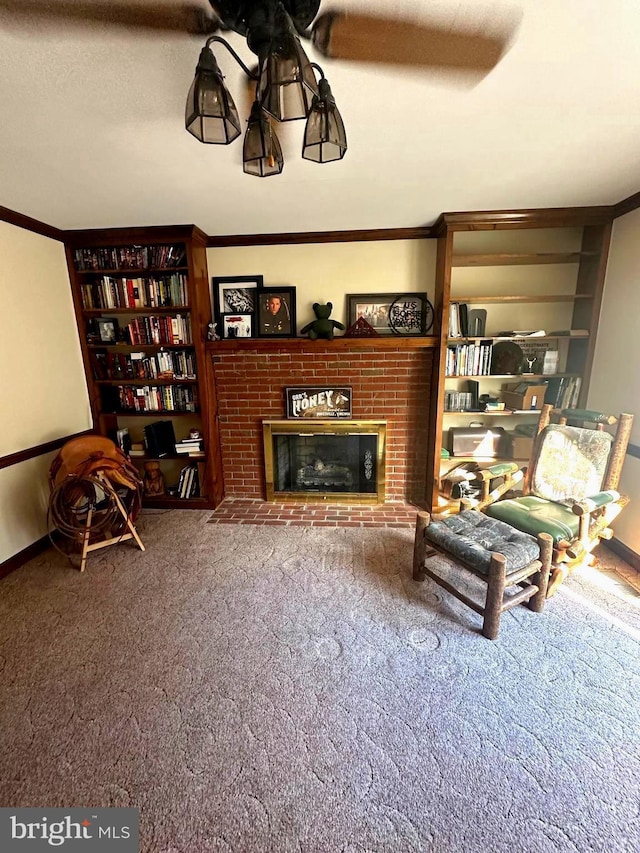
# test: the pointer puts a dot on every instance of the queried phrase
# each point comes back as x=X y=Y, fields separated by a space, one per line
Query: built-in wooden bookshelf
x=142 y=305
x=529 y=274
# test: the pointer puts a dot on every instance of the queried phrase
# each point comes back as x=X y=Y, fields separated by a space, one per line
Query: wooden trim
x=624 y=552
x=30 y=224
x=501 y=259
x=633 y=450
x=628 y=204
x=307 y=345
x=122 y=236
x=550 y=217
x=24 y=556
x=39 y=449
x=420 y=233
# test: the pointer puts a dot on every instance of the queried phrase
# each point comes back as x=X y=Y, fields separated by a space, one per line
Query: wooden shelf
x=515 y=259
x=489 y=460
x=338 y=343
x=519 y=338
x=155 y=414
x=560 y=297
x=124 y=273
x=143 y=382
x=521 y=376
x=167 y=502
x=171 y=457
x=518 y=413
x=174 y=309
x=143 y=347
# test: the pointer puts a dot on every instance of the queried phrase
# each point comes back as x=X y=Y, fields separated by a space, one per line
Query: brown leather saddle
x=92 y=455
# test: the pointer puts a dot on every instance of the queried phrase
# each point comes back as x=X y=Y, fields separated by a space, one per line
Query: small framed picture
x=107 y=328
x=235 y=294
x=392 y=313
x=277 y=312
x=237 y=325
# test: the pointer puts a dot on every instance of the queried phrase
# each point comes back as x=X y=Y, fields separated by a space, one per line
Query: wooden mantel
x=307 y=345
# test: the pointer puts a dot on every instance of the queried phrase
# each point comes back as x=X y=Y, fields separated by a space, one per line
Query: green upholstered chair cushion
x=571 y=463
x=534 y=515
x=472 y=537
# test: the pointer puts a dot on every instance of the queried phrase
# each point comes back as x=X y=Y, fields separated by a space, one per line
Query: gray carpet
x=291 y=689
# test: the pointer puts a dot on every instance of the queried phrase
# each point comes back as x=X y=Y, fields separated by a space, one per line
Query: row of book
x=110 y=292
x=472 y=359
x=458 y=401
x=189 y=482
x=159 y=330
x=178 y=364
x=129 y=257
x=152 y=398
x=563 y=392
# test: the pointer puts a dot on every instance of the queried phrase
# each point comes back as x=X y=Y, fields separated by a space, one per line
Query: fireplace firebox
x=325 y=460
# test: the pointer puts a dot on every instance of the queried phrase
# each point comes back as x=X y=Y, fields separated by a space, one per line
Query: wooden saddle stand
x=85 y=504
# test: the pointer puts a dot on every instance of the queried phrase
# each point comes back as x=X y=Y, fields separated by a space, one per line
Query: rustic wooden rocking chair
x=569 y=487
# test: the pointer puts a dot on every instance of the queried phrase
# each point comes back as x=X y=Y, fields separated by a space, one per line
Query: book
x=160 y=438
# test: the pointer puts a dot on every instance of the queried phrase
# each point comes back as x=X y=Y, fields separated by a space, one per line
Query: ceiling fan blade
x=165 y=17
x=372 y=38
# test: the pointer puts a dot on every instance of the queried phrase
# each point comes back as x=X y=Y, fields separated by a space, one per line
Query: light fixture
x=325 y=138
x=286 y=89
x=211 y=115
x=287 y=83
x=261 y=154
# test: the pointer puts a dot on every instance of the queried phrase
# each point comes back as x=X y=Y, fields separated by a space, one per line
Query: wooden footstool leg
x=419 y=548
x=541 y=579
x=495 y=596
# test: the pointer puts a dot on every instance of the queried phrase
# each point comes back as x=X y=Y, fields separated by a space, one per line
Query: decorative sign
x=318 y=402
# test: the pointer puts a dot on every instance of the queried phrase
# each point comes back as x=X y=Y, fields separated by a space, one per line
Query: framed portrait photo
x=235 y=294
x=392 y=313
x=107 y=329
x=277 y=312
x=237 y=325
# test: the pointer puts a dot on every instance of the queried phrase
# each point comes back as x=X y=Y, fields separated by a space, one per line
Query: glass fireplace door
x=325 y=461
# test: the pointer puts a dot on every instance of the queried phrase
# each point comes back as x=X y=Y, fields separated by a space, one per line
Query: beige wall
x=615 y=382
x=41 y=375
x=325 y=272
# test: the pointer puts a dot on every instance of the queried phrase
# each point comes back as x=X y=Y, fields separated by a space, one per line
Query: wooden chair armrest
x=500 y=469
x=589 y=505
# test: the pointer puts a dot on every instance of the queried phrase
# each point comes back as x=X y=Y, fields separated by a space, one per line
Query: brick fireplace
x=388 y=381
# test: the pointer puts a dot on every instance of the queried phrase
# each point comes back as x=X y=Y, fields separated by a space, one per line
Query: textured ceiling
x=92 y=131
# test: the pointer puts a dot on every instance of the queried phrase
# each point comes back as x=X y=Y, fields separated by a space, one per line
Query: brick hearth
x=248 y=511
x=388 y=382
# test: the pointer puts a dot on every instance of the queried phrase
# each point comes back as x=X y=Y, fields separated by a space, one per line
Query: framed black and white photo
x=237 y=325
x=392 y=313
x=107 y=328
x=235 y=294
x=277 y=312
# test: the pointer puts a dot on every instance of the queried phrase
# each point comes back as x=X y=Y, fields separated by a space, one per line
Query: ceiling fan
x=286 y=84
x=363 y=37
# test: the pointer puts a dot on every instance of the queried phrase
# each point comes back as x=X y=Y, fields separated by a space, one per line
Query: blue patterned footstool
x=493 y=551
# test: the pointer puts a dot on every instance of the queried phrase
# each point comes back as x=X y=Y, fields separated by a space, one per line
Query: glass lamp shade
x=211 y=115
x=262 y=154
x=287 y=83
x=325 y=138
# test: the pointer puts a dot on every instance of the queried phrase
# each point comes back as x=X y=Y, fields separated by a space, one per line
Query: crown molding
x=544 y=217
x=368 y=235
x=628 y=204
x=30 y=224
